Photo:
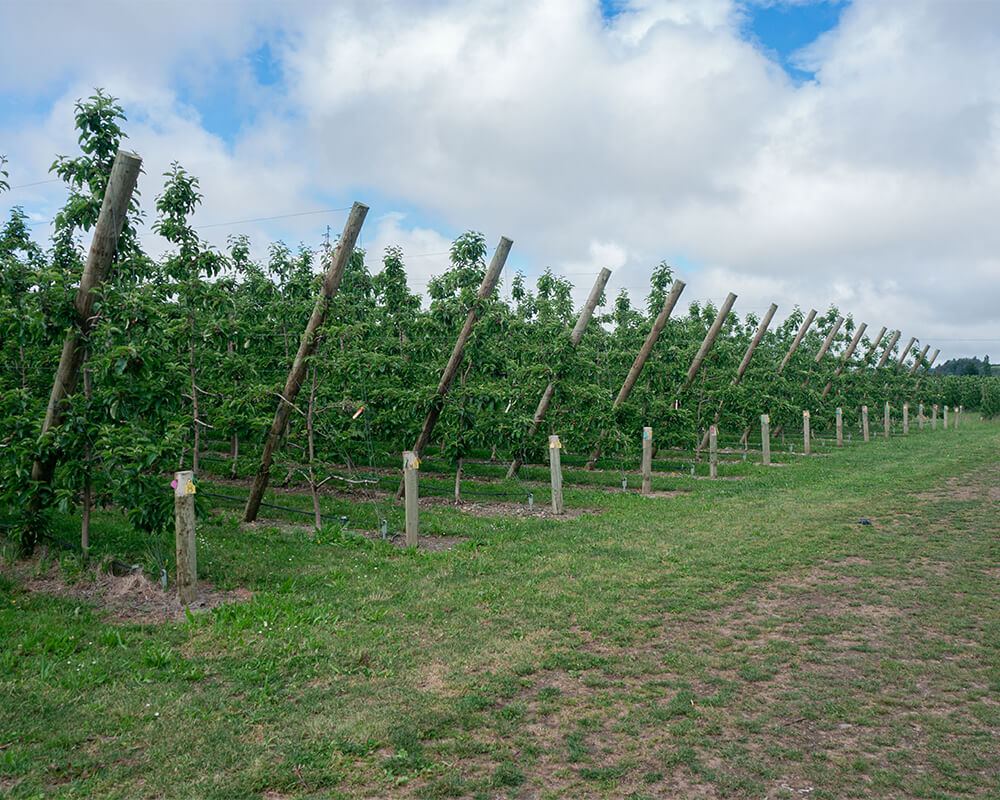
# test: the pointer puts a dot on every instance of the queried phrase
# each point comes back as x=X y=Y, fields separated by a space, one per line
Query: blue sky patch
x=781 y=28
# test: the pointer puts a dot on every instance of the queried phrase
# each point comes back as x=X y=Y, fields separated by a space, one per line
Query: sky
x=802 y=152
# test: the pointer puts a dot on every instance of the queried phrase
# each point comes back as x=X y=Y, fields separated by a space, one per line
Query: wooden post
x=187 y=559
x=875 y=343
x=641 y=358
x=713 y=452
x=574 y=339
x=458 y=353
x=110 y=221
x=411 y=466
x=919 y=359
x=920 y=416
x=957 y=412
x=840 y=427
x=647 y=460
x=805 y=432
x=888 y=350
x=906 y=418
x=709 y=340
x=933 y=359
x=864 y=422
x=845 y=358
x=765 y=438
x=934 y=417
x=888 y=419
x=761 y=330
x=555 y=470
x=293 y=383
x=906 y=350
x=798 y=339
x=945 y=418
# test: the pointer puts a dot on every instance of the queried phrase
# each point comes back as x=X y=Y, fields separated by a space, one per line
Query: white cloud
x=658 y=134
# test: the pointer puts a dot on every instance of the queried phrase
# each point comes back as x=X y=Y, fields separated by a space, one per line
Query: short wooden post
x=887 y=420
x=864 y=422
x=934 y=418
x=840 y=427
x=765 y=438
x=647 y=460
x=805 y=432
x=945 y=419
x=920 y=416
x=411 y=464
x=957 y=412
x=713 y=452
x=187 y=560
x=906 y=418
x=555 y=468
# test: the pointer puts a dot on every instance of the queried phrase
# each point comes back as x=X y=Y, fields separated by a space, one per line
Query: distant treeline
x=967 y=366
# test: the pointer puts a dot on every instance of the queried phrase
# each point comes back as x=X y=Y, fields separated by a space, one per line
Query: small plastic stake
x=624 y=483
x=531 y=501
x=385 y=529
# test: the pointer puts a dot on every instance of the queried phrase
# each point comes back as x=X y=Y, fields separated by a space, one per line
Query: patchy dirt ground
x=131 y=598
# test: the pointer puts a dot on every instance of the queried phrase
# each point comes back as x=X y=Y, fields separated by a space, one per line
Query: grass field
x=741 y=638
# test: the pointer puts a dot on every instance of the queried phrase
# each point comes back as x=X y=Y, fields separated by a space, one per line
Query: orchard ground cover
x=741 y=638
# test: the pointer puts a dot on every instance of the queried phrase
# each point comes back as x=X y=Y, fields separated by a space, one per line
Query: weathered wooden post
x=713 y=452
x=888 y=349
x=798 y=339
x=187 y=558
x=875 y=342
x=934 y=417
x=411 y=466
x=946 y=417
x=640 y=360
x=906 y=350
x=103 y=247
x=840 y=427
x=887 y=419
x=555 y=469
x=761 y=330
x=709 y=340
x=647 y=460
x=765 y=438
x=845 y=358
x=864 y=421
x=574 y=339
x=805 y=432
x=307 y=345
x=919 y=359
x=920 y=416
x=906 y=418
x=826 y=344
x=957 y=412
x=486 y=288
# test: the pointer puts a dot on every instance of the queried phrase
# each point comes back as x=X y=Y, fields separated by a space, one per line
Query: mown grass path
x=746 y=639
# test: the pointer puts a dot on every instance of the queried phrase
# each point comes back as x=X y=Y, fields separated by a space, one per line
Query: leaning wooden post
x=864 y=422
x=555 y=470
x=888 y=349
x=888 y=420
x=874 y=345
x=411 y=467
x=647 y=460
x=709 y=340
x=765 y=438
x=906 y=350
x=640 y=359
x=840 y=427
x=805 y=432
x=458 y=353
x=919 y=359
x=845 y=358
x=826 y=344
x=798 y=339
x=187 y=559
x=307 y=345
x=906 y=418
x=761 y=330
x=574 y=339
x=934 y=417
x=107 y=231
